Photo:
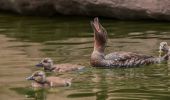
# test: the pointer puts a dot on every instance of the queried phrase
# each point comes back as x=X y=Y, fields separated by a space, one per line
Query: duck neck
x=98 y=52
x=166 y=57
x=43 y=81
x=99 y=47
x=49 y=67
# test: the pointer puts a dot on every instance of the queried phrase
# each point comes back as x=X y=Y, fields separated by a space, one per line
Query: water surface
x=25 y=40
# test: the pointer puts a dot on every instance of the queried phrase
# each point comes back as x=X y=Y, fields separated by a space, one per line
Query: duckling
x=117 y=59
x=163 y=48
x=47 y=64
x=40 y=80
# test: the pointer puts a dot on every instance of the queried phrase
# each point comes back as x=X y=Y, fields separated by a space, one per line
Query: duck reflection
x=34 y=93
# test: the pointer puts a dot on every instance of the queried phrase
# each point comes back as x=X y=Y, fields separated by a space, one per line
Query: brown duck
x=47 y=64
x=40 y=80
x=117 y=59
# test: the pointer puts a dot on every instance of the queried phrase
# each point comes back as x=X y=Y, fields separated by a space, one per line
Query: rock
x=120 y=9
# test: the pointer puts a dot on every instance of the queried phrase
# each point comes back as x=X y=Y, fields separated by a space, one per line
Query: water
x=25 y=40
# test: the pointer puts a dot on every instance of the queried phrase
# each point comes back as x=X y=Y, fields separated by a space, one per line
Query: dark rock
x=120 y=9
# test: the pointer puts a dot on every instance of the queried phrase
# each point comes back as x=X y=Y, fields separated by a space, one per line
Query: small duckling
x=163 y=48
x=47 y=64
x=40 y=80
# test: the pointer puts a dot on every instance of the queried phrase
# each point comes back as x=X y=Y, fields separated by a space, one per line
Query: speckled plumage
x=117 y=59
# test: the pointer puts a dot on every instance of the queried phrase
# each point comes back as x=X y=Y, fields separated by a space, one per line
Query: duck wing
x=68 y=67
x=58 y=81
x=122 y=56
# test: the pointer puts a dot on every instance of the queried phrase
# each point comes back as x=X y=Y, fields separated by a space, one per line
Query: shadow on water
x=26 y=40
x=39 y=94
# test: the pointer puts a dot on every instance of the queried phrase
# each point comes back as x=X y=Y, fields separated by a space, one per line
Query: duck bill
x=39 y=65
x=95 y=25
x=100 y=34
x=30 y=78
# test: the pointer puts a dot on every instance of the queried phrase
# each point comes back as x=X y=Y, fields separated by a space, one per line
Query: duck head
x=100 y=35
x=46 y=63
x=38 y=76
x=164 y=47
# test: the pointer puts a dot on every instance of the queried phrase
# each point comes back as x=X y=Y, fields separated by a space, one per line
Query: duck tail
x=100 y=34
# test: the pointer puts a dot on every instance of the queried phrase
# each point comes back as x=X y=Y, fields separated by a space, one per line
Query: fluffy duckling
x=40 y=80
x=163 y=48
x=47 y=64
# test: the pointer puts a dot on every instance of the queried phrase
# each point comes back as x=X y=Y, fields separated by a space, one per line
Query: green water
x=24 y=41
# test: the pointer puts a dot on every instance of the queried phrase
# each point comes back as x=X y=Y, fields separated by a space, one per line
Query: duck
x=40 y=80
x=47 y=64
x=117 y=59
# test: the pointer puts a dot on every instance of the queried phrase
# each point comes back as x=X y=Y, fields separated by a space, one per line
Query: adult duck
x=116 y=59
x=47 y=64
x=40 y=80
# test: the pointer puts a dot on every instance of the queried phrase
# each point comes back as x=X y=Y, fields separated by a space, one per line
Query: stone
x=119 y=9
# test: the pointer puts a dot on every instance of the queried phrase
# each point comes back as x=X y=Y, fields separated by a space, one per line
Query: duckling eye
x=45 y=61
x=164 y=45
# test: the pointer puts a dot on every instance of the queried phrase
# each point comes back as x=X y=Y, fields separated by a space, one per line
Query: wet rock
x=120 y=9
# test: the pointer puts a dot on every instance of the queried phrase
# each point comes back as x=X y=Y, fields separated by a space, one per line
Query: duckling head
x=47 y=63
x=38 y=76
x=163 y=47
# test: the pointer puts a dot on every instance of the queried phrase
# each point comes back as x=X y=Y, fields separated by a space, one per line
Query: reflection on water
x=25 y=40
x=39 y=94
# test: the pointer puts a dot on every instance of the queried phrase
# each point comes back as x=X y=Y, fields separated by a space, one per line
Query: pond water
x=24 y=41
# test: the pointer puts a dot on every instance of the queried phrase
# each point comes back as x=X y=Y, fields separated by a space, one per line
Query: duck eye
x=164 y=45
